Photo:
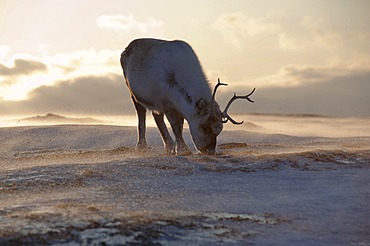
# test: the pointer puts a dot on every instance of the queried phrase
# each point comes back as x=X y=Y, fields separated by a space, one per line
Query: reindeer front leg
x=141 y=114
x=168 y=142
x=177 y=123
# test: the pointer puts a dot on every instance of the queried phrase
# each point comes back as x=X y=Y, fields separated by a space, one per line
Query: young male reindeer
x=167 y=78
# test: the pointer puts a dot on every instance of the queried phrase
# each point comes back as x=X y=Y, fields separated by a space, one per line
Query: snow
x=86 y=184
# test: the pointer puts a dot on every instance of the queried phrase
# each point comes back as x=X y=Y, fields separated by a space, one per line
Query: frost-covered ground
x=86 y=185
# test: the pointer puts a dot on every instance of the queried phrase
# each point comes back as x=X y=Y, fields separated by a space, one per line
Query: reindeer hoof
x=142 y=147
x=183 y=151
x=170 y=149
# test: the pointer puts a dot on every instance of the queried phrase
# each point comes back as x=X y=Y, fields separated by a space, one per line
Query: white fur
x=166 y=76
x=160 y=58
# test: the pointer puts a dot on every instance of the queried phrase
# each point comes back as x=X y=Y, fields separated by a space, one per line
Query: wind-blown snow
x=86 y=184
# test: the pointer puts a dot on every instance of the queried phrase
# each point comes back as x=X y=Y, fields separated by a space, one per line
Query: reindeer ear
x=201 y=107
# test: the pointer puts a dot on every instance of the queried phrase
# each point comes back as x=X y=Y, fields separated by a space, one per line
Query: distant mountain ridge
x=50 y=117
x=303 y=115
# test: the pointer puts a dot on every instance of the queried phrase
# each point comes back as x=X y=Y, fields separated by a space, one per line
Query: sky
x=303 y=57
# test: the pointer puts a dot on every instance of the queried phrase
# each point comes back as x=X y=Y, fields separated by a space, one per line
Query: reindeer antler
x=214 y=94
x=215 y=89
x=227 y=116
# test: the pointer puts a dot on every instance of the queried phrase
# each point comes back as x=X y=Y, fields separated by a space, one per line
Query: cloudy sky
x=307 y=56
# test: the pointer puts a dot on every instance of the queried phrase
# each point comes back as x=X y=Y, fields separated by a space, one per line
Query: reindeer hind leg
x=141 y=114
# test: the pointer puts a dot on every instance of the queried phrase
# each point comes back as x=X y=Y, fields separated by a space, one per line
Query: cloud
x=339 y=89
x=236 y=26
x=301 y=75
x=330 y=35
x=26 y=74
x=291 y=32
x=334 y=91
x=90 y=94
x=128 y=23
x=4 y=49
x=23 y=67
x=309 y=33
x=313 y=32
x=87 y=62
x=81 y=95
x=288 y=43
x=343 y=95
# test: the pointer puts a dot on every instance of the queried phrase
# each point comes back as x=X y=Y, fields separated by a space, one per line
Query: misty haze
x=296 y=172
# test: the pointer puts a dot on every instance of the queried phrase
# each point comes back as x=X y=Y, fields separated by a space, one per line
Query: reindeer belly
x=151 y=95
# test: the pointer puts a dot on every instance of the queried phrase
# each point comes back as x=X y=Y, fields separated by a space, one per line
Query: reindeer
x=166 y=77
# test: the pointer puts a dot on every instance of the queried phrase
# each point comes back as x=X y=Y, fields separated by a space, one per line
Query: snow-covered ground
x=86 y=185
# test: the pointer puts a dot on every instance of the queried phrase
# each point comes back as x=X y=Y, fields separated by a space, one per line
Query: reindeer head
x=208 y=123
x=206 y=126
